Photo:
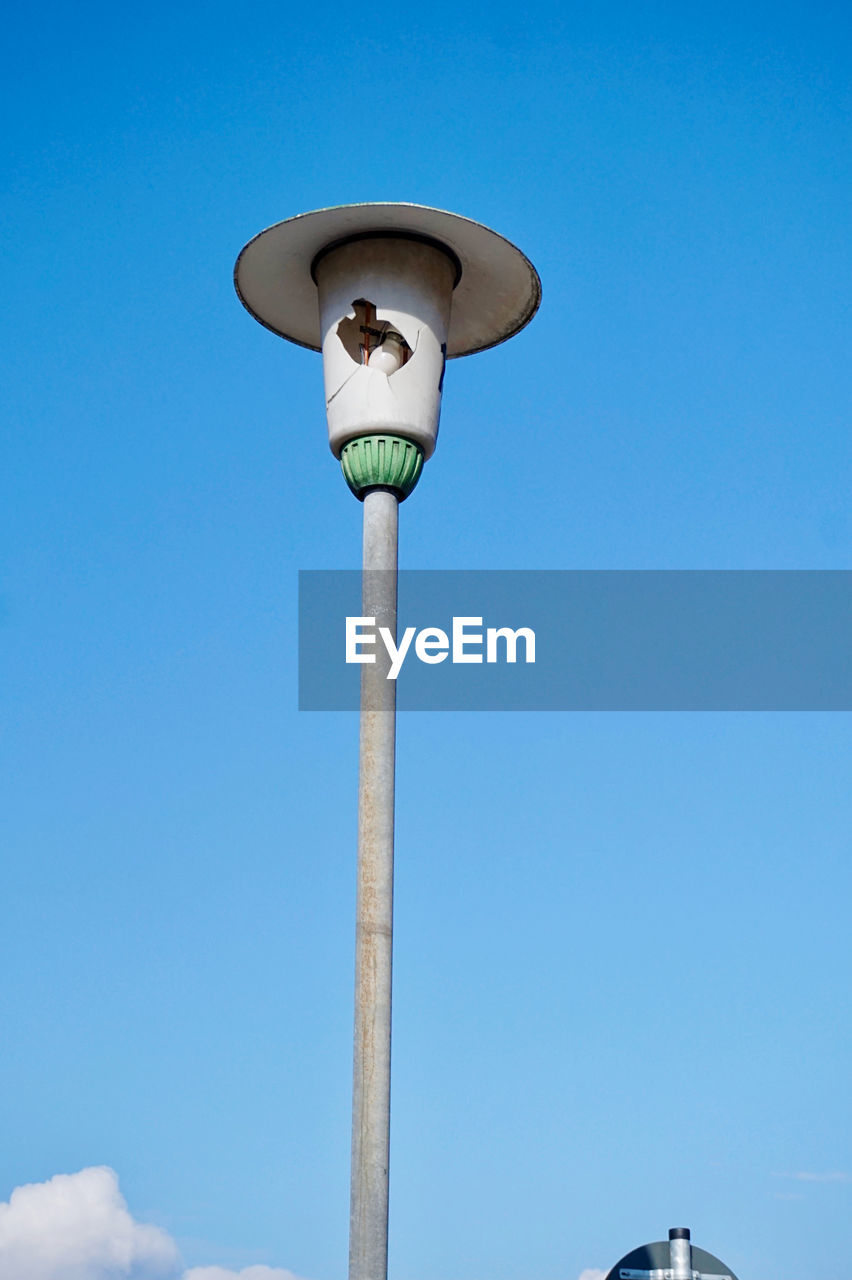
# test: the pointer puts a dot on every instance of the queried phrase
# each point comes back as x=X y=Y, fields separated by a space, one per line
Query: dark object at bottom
x=672 y=1259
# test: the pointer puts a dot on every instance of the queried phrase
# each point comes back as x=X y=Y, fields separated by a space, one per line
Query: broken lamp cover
x=403 y=289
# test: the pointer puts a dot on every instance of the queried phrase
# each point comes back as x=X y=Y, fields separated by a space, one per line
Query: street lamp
x=388 y=293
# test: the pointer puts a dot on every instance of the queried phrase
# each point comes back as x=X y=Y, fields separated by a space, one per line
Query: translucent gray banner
x=617 y=640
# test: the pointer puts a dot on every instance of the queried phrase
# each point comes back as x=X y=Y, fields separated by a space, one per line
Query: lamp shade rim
x=498 y=290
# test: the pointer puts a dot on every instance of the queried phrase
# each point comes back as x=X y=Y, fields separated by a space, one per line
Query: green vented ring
x=387 y=461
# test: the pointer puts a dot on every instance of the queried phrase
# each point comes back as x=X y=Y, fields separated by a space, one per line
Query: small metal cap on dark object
x=679 y=1233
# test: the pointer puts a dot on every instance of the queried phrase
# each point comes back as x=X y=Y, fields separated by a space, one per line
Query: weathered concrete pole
x=368 y=1233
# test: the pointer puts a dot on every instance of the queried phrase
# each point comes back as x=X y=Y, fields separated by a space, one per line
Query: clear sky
x=622 y=953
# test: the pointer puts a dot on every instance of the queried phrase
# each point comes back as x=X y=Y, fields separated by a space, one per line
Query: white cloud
x=592 y=1273
x=77 y=1226
x=248 y=1273
x=822 y=1177
x=836 y=1176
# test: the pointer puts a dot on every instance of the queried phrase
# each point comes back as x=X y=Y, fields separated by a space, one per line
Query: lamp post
x=388 y=293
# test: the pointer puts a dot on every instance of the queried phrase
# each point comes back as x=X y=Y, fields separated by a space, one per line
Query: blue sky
x=622 y=948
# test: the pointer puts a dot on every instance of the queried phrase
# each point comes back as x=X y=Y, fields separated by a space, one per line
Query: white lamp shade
x=430 y=285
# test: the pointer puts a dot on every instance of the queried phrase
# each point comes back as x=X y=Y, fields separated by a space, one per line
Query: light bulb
x=388 y=357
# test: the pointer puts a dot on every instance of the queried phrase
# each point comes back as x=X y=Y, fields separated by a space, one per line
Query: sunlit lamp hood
x=388 y=293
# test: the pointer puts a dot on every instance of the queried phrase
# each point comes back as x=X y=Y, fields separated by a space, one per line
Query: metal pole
x=368 y=1227
x=680 y=1253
